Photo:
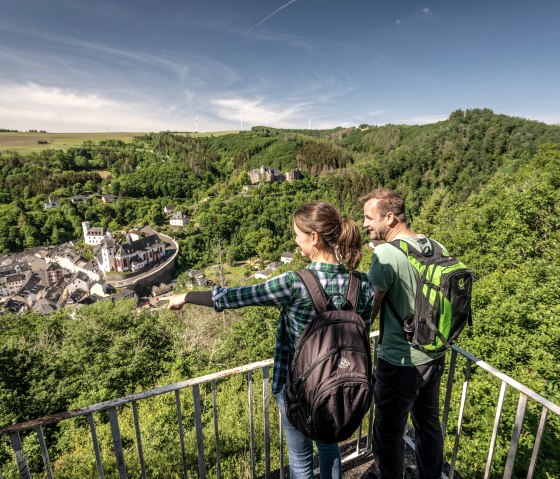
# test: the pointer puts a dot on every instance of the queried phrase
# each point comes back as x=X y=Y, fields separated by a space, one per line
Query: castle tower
x=85 y=226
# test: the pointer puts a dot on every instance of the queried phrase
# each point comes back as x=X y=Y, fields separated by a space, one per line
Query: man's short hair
x=388 y=201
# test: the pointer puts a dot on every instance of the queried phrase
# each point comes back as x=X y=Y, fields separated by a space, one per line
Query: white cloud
x=398 y=21
x=31 y=106
x=422 y=119
x=257 y=111
x=426 y=11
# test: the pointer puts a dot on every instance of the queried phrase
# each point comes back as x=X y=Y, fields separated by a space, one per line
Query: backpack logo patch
x=343 y=363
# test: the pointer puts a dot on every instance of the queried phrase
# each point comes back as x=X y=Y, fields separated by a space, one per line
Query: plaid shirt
x=288 y=292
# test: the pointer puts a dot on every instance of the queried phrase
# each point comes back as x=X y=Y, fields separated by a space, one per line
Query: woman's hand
x=176 y=301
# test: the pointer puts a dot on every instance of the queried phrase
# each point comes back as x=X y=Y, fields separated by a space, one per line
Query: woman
x=333 y=245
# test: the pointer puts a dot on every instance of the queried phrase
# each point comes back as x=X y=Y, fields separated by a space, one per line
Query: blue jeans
x=400 y=390
x=300 y=450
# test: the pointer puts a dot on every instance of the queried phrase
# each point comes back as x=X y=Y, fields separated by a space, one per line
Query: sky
x=210 y=65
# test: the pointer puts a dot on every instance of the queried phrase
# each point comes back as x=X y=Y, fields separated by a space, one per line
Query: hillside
x=485 y=185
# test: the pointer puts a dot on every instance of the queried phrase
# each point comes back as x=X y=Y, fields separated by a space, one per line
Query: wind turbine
x=196 y=124
x=309 y=123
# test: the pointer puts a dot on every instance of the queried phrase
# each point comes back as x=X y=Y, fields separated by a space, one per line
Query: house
x=94 y=236
x=12 y=283
x=108 y=198
x=179 y=219
x=52 y=202
x=198 y=277
x=287 y=257
x=168 y=210
x=100 y=289
x=123 y=293
x=54 y=273
x=44 y=306
x=78 y=281
x=78 y=199
x=161 y=289
x=270 y=268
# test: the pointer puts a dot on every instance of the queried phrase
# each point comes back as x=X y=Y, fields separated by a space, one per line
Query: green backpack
x=443 y=298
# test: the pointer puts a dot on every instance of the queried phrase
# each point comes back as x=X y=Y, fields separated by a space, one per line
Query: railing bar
x=216 y=433
x=497 y=418
x=44 y=452
x=134 y=397
x=251 y=423
x=460 y=420
x=199 y=435
x=516 y=434
x=96 y=447
x=117 y=442
x=281 y=432
x=537 y=445
x=139 y=439
x=181 y=435
x=370 y=427
x=21 y=460
x=266 y=414
x=512 y=382
x=448 y=391
x=358 y=439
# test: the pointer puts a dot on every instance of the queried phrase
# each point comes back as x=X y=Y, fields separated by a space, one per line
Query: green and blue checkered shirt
x=288 y=292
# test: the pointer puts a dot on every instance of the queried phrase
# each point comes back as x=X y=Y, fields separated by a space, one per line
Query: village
x=45 y=279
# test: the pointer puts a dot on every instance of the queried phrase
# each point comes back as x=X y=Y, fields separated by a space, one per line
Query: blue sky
x=76 y=65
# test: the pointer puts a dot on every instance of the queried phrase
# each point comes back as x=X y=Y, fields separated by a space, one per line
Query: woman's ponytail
x=349 y=244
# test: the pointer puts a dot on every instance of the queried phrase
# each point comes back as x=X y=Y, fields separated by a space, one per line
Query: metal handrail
x=361 y=450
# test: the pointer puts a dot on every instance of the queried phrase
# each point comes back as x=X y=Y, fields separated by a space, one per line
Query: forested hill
x=485 y=185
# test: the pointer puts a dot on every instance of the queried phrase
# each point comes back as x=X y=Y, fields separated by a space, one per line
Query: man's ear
x=392 y=220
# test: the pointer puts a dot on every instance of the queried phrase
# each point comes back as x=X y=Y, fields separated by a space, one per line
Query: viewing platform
x=201 y=441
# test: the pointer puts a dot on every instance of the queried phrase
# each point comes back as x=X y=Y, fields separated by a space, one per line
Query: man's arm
x=378 y=296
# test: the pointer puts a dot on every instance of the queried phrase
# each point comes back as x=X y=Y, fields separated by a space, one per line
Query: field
x=25 y=142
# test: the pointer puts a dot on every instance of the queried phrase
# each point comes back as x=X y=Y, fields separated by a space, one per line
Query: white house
x=287 y=257
x=179 y=219
x=94 y=236
x=52 y=202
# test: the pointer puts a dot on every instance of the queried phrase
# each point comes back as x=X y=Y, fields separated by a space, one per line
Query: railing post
x=181 y=435
x=266 y=410
x=138 y=439
x=21 y=460
x=460 y=420
x=117 y=442
x=199 y=434
x=44 y=452
x=537 y=445
x=96 y=447
x=521 y=405
x=251 y=423
x=216 y=433
x=492 y=448
x=448 y=390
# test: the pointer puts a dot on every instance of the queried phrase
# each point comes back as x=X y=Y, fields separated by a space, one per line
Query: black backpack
x=443 y=298
x=329 y=386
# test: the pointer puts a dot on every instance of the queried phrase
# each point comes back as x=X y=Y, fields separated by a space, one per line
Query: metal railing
x=363 y=442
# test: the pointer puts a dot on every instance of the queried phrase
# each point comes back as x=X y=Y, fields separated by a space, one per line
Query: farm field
x=28 y=141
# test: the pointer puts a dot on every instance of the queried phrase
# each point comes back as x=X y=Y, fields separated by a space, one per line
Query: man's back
x=393 y=274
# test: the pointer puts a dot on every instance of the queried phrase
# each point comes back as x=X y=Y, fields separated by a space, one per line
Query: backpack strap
x=317 y=293
x=353 y=292
x=314 y=289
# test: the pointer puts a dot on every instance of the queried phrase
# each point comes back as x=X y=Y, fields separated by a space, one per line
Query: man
x=407 y=379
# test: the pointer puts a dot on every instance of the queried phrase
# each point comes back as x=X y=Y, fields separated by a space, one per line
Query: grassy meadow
x=29 y=141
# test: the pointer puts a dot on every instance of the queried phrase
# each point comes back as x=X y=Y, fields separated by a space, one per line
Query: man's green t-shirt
x=393 y=274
